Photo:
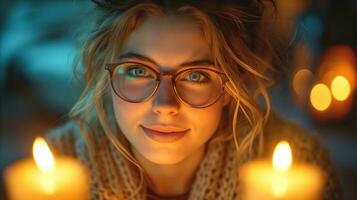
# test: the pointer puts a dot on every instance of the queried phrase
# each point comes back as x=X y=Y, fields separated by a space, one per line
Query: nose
x=164 y=100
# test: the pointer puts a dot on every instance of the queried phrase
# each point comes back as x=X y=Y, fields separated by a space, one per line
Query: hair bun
x=114 y=5
x=120 y=5
x=104 y=3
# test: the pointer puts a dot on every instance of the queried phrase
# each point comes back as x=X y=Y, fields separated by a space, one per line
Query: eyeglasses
x=135 y=82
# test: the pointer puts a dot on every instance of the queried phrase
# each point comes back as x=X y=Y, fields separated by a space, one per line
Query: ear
x=226 y=98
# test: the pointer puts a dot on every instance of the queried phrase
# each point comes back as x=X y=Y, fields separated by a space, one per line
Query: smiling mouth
x=164 y=136
x=164 y=128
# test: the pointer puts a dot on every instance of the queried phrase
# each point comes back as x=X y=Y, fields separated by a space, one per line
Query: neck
x=173 y=179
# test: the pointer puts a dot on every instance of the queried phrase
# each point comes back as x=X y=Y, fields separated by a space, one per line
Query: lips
x=165 y=128
x=164 y=134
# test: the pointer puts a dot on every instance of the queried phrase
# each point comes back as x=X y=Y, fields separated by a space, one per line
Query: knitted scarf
x=114 y=178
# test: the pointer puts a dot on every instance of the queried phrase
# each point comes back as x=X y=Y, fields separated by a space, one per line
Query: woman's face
x=169 y=42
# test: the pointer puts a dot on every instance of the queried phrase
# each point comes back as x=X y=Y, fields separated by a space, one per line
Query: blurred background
x=40 y=39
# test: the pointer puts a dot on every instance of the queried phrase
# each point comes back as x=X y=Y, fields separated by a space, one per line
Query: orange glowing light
x=340 y=88
x=301 y=81
x=282 y=161
x=42 y=155
x=46 y=163
x=339 y=60
x=282 y=156
x=320 y=97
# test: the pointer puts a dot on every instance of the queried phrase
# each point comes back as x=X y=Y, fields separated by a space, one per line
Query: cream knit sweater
x=113 y=178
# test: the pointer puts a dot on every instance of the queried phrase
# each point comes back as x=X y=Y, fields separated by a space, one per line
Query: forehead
x=169 y=41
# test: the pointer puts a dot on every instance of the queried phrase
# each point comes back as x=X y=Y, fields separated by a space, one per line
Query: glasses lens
x=199 y=87
x=133 y=81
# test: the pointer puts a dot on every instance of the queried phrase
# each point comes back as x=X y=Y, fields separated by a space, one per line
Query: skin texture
x=169 y=41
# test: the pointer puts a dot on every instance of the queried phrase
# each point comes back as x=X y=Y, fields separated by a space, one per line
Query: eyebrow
x=133 y=55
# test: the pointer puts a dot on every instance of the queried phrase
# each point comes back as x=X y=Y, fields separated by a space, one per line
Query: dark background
x=39 y=39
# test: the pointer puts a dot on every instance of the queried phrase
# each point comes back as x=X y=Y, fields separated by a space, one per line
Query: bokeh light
x=320 y=97
x=301 y=81
x=339 y=61
x=340 y=88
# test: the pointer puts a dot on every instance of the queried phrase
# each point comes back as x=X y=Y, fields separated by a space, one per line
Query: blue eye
x=137 y=72
x=197 y=76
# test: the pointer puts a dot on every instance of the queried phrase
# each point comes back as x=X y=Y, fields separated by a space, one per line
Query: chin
x=164 y=159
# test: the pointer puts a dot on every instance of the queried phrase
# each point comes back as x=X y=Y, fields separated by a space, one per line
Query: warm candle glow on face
x=320 y=97
x=340 y=88
x=282 y=156
x=46 y=163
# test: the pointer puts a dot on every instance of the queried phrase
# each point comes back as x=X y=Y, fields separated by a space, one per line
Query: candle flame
x=282 y=156
x=46 y=163
x=42 y=155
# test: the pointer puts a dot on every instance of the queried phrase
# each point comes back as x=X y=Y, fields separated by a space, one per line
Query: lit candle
x=279 y=179
x=44 y=178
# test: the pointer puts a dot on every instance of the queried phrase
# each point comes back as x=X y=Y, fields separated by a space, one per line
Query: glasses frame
x=112 y=66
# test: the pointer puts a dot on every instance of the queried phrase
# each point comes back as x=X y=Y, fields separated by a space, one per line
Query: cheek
x=127 y=114
x=206 y=121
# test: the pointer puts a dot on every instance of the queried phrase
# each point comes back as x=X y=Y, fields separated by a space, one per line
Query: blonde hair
x=239 y=48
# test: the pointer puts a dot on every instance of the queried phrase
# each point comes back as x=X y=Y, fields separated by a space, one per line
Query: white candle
x=281 y=180
x=46 y=178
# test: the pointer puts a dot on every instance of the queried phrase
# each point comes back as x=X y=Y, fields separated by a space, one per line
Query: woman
x=170 y=106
